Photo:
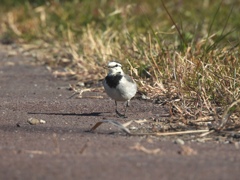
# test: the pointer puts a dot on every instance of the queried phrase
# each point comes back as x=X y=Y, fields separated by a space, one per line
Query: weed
x=186 y=51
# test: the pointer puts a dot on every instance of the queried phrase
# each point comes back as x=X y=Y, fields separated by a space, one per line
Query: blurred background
x=196 y=20
x=176 y=48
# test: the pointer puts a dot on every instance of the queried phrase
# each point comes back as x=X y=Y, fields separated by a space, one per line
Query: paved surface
x=63 y=149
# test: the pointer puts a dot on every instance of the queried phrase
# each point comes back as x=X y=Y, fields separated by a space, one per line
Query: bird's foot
x=120 y=115
x=127 y=103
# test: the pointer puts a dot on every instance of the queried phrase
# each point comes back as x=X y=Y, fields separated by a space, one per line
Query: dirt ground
x=62 y=148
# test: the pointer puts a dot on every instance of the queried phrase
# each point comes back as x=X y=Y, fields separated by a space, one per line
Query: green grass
x=186 y=50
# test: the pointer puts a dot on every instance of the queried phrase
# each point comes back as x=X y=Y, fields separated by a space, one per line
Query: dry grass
x=186 y=53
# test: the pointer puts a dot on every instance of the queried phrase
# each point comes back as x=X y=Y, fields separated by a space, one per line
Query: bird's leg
x=127 y=105
x=118 y=113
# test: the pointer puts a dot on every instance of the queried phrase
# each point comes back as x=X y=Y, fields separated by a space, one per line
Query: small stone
x=179 y=141
x=80 y=84
x=145 y=97
x=133 y=128
x=42 y=121
x=35 y=121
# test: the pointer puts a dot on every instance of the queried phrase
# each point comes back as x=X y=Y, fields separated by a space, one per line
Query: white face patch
x=115 y=68
x=114 y=64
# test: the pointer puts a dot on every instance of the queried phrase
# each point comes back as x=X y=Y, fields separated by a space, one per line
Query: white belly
x=124 y=91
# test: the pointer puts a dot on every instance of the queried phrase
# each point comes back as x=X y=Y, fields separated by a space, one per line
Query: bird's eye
x=114 y=66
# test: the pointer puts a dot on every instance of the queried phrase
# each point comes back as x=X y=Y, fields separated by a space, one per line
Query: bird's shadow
x=70 y=114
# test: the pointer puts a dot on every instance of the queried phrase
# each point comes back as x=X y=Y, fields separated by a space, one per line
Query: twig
x=227 y=113
x=204 y=119
x=206 y=133
x=181 y=132
x=126 y=130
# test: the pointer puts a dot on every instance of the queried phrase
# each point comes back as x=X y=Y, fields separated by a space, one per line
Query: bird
x=119 y=86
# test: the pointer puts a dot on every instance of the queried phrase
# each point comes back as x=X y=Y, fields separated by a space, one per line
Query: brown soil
x=62 y=148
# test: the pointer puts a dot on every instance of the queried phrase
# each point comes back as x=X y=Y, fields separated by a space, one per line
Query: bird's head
x=114 y=68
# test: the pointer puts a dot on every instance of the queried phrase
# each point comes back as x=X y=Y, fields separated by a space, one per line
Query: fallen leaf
x=139 y=147
x=187 y=151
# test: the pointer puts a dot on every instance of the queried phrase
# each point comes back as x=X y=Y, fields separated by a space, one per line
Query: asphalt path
x=62 y=147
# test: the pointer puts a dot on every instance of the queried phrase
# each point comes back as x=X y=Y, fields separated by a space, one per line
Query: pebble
x=145 y=97
x=133 y=128
x=35 y=121
x=179 y=141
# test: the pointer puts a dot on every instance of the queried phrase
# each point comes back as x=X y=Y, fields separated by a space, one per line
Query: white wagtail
x=119 y=86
